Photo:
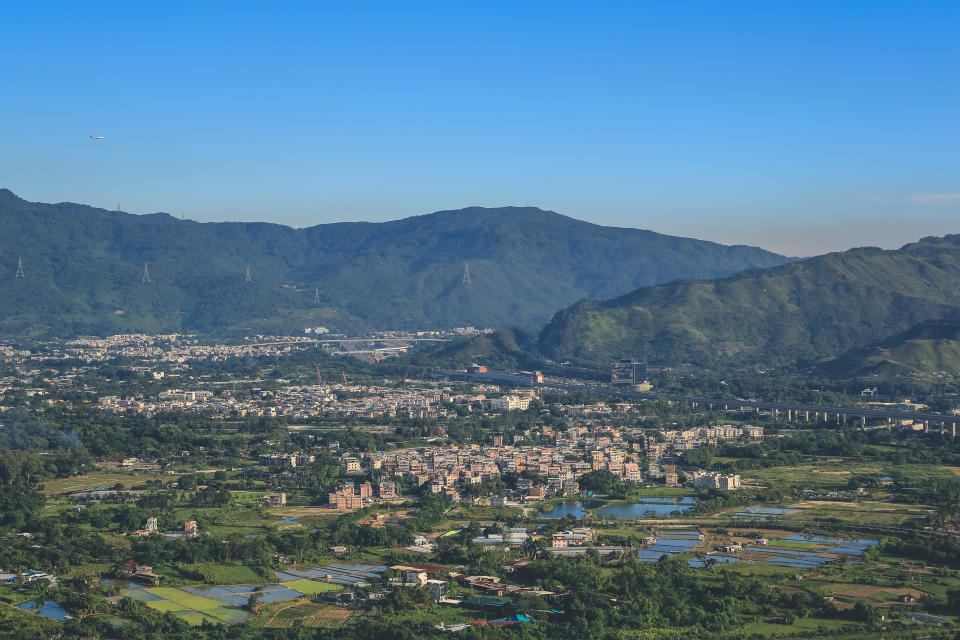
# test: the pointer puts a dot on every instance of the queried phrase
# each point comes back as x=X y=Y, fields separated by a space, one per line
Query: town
x=281 y=493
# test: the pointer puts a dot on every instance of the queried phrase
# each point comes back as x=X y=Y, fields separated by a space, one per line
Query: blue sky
x=798 y=126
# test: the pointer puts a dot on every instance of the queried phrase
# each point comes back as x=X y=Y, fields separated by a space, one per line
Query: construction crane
x=319 y=377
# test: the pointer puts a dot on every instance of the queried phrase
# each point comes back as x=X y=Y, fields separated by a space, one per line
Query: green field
x=836 y=475
x=312 y=587
x=860 y=512
x=196 y=618
x=793 y=544
x=11 y=595
x=803 y=625
x=224 y=573
x=193 y=608
x=661 y=492
x=101 y=479
x=248 y=497
x=166 y=605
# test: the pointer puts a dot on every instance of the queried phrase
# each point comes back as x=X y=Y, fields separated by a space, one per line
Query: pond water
x=644 y=508
x=670 y=543
x=49 y=609
x=760 y=513
x=808 y=559
x=697 y=563
x=647 y=508
x=564 y=509
x=122 y=584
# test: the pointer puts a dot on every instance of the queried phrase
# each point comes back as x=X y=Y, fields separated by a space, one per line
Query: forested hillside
x=805 y=310
x=84 y=270
x=930 y=348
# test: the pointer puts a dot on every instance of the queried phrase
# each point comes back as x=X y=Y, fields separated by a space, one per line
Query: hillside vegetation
x=84 y=270
x=928 y=349
x=802 y=311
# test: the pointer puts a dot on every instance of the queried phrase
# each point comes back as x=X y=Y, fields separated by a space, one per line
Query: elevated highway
x=944 y=423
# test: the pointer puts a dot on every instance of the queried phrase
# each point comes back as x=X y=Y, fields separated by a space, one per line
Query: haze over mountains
x=84 y=270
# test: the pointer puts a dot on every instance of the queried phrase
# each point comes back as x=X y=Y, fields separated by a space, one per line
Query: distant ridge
x=84 y=269
x=802 y=311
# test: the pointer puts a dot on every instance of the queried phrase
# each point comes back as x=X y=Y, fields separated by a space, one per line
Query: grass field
x=166 y=605
x=232 y=520
x=860 y=512
x=793 y=544
x=803 y=625
x=248 y=497
x=196 y=618
x=661 y=492
x=194 y=609
x=313 y=587
x=224 y=573
x=309 y=615
x=820 y=476
x=101 y=479
x=836 y=475
x=12 y=596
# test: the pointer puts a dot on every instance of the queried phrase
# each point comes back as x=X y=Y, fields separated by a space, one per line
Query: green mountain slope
x=804 y=310
x=929 y=348
x=504 y=349
x=84 y=269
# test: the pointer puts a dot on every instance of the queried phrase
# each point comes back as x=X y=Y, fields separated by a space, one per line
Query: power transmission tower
x=249 y=279
x=466 y=274
x=20 y=273
x=146 y=274
x=316 y=295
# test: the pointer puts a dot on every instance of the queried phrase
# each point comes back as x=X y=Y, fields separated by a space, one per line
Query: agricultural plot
x=224 y=573
x=310 y=615
x=670 y=542
x=195 y=609
x=312 y=587
x=861 y=512
x=99 y=479
x=227 y=603
x=339 y=574
x=821 y=551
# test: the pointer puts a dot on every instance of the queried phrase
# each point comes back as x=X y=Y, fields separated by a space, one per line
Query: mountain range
x=785 y=315
x=89 y=271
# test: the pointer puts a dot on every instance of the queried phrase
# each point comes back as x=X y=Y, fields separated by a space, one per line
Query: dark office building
x=629 y=372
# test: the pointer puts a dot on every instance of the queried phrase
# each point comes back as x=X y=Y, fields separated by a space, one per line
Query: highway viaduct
x=932 y=422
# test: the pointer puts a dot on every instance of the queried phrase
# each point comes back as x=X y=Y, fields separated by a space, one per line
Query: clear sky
x=799 y=126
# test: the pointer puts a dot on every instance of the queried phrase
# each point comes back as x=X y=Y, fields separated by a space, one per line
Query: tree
x=600 y=481
x=254 y=599
x=41 y=590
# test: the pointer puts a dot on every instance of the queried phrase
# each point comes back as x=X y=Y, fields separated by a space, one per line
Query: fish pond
x=658 y=507
x=48 y=609
x=227 y=603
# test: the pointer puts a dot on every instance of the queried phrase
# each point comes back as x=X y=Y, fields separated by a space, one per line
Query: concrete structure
x=716 y=481
x=628 y=372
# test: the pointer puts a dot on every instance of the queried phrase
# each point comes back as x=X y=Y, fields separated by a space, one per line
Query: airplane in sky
x=96 y=137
